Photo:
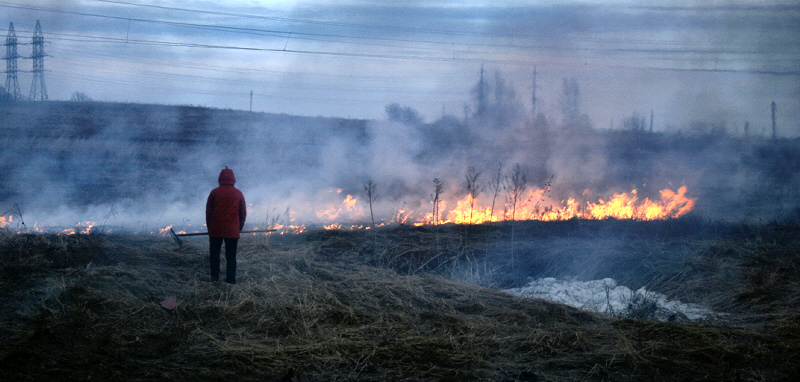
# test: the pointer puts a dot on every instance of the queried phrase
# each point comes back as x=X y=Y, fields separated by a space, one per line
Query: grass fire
x=377 y=250
x=532 y=207
x=405 y=303
x=366 y=190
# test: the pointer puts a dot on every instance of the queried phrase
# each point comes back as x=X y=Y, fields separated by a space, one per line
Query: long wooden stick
x=180 y=242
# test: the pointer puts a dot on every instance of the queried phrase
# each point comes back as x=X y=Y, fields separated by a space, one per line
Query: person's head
x=226 y=177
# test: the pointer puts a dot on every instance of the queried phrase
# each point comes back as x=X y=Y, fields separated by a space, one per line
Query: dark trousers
x=215 y=244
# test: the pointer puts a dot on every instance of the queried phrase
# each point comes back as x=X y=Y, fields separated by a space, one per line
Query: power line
x=277 y=33
x=441 y=58
x=295 y=20
x=245 y=30
x=520 y=62
x=659 y=49
x=444 y=55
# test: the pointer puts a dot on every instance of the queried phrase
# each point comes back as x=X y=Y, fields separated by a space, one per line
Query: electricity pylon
x=12 y=84
x=38 y=90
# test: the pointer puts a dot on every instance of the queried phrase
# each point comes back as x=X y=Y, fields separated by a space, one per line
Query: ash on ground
x=606 y=297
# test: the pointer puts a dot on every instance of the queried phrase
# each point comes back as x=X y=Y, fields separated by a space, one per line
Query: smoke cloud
x=143 y=167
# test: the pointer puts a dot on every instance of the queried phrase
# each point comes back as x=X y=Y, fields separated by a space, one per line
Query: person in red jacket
x=225 y=215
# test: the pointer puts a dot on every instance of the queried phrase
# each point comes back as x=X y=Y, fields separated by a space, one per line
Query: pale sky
x=689 y=61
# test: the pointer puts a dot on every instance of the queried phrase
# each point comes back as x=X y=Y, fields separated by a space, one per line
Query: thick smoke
x=144 y=167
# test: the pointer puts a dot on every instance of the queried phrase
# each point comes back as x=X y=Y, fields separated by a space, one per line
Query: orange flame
x=83 y=228
x=330 y=214
x=289 y=229
x=627 y=205
x=619 y=206
x=350 y=201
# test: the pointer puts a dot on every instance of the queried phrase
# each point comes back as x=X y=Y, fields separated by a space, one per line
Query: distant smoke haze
x=690 y=63
x=144 y=167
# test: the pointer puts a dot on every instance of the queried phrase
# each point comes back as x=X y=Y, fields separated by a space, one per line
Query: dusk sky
x=686 y=61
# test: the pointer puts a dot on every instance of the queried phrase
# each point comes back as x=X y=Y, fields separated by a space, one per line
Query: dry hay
x=349 y=306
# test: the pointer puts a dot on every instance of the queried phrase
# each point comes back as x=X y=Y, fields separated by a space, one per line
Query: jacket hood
x=226 y=177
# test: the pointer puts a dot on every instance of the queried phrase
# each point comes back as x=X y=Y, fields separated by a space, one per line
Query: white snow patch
x=606 y=297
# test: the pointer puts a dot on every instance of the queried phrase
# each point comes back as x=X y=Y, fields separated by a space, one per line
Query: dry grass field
x=401 y=303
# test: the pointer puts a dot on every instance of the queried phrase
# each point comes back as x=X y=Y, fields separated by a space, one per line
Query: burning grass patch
x=377 y=305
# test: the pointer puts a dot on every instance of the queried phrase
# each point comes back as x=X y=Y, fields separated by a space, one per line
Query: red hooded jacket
x=225 y=208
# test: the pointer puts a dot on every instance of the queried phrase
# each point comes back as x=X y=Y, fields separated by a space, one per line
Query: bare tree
x=570 y=103
x=473 y=187
x=496 y=184
x=515 y=186
x=403 y=114
x=535 y=210
x=505 y=109
x=372 y=195
x=80 y=97
x=481 y=91
x=634 y=123
x=438 y=186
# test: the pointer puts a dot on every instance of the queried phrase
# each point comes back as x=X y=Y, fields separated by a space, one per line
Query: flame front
x=352 y=213
x=532 y=206
x=619 y=206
